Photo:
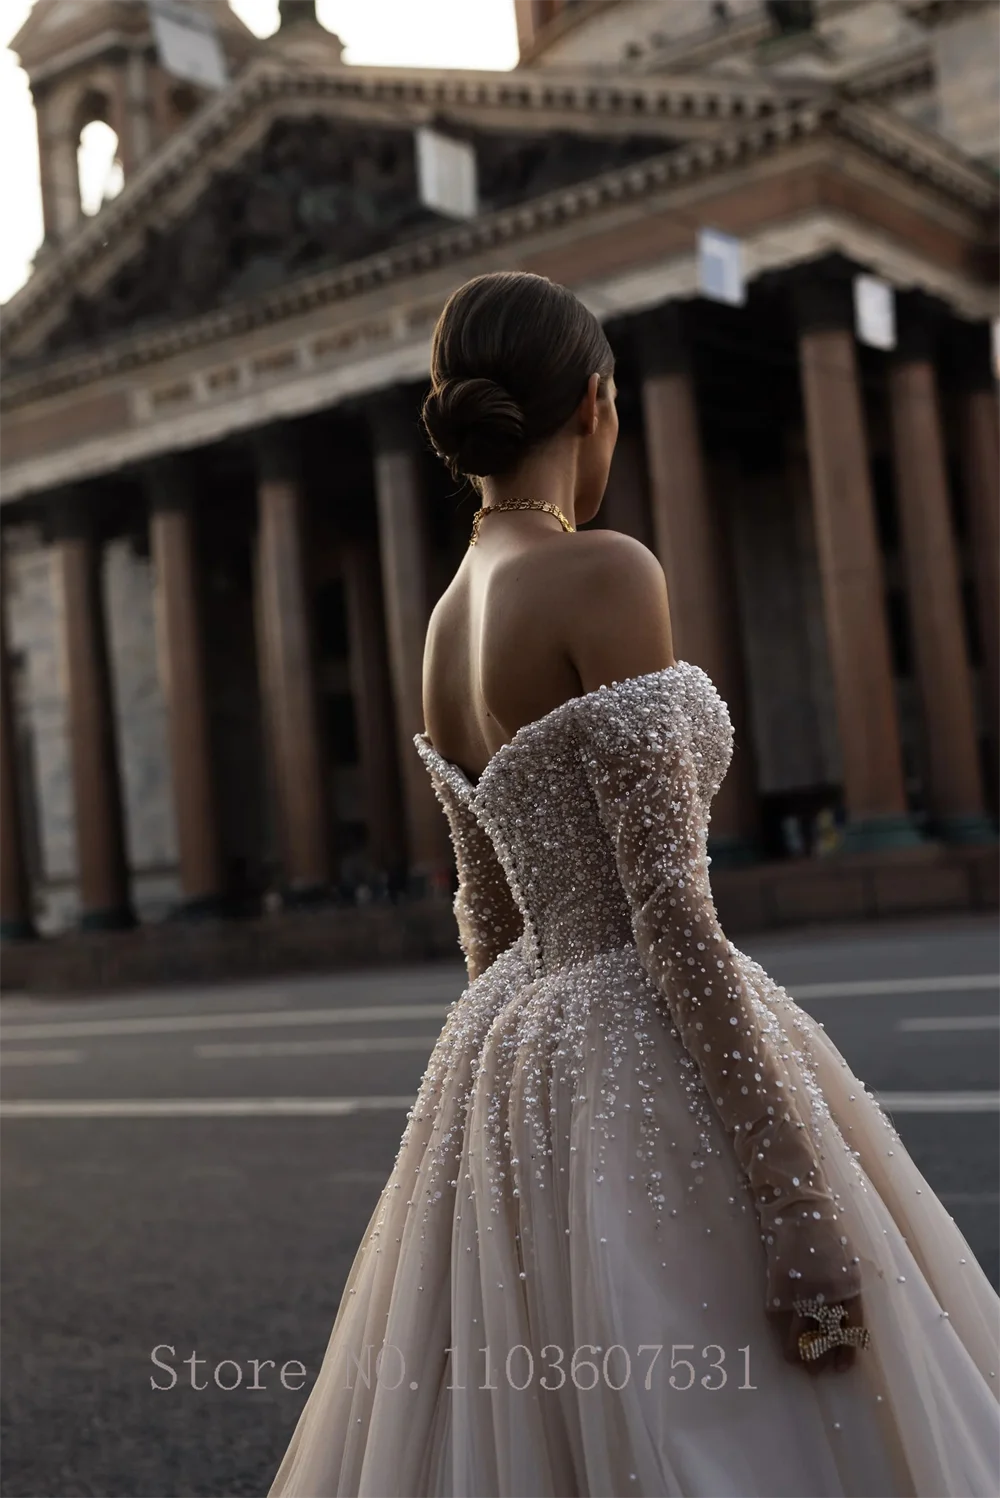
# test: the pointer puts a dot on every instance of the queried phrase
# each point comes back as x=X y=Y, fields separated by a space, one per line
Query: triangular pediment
x=317 y=192
x=287 y=172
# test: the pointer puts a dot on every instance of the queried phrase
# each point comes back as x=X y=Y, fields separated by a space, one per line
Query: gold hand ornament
x=831 y=1333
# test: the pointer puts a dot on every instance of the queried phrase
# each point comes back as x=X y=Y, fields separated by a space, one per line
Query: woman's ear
x=588 y=407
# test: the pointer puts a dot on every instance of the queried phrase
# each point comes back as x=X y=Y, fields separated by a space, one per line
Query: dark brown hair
x=510 y=360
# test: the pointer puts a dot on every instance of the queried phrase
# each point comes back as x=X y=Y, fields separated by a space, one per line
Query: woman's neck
x=545 y=477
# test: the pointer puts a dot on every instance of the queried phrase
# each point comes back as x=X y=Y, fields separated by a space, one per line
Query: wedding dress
x=629 y=1144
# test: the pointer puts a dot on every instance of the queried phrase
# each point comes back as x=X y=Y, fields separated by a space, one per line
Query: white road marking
x=300 y=1107
x=882 y=987
x=176 y=1024
x=940 y=1102
x=352 y=1047
x=211 y=1107
x=948 y=1022
x=40 y=1058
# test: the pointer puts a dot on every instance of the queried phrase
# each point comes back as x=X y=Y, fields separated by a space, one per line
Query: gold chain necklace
x=518 y=504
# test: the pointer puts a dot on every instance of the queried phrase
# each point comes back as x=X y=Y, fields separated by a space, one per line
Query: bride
x=646 y=1232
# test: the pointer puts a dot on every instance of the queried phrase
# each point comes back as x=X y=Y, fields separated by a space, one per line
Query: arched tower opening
x=100 y=173
x=104 y=99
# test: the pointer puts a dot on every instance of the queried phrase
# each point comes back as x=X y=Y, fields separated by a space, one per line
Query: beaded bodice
x=596 y=817
x=535 y=802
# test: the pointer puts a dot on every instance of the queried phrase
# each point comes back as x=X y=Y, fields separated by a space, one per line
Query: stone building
x=222 y=532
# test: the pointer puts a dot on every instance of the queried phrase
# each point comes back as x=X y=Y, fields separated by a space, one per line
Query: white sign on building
x=446 y=174
x=720 y=268
x=188 y=44
x=874 y=312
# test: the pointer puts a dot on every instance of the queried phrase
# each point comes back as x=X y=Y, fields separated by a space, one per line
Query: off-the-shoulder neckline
x=473 y=787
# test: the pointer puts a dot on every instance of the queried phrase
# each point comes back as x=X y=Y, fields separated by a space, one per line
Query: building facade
x=223 y=531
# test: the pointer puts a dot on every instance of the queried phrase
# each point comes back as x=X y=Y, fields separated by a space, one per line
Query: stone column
x=288 y=669
x=138 y=135
x=954 y=780
x=16 y=923
x=60 y=183
x=100 y=824
x=979 y=458
x=403 y=553
x=371 y=689
x=850 y=567
x=182 y=669
x=689 y=539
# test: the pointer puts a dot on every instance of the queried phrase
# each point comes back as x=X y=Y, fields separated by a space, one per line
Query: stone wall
x=34 y=613
x=141 y=720
x=34 y=605
x=321 y=940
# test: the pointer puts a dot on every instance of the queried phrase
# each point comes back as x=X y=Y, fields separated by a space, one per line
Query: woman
x=646 y=1233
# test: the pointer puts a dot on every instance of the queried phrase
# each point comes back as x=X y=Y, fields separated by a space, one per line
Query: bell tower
x=90 y=60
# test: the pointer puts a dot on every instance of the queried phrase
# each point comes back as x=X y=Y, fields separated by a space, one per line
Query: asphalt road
x=194 y=1169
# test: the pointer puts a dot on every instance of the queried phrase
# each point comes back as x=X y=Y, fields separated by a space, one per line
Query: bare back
x=531 y=619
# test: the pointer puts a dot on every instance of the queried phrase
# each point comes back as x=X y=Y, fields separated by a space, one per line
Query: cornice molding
x=509 y=225
x=407 y=94
x=90 y=49
x=926 y=157
x=887 y=138
x=394 y=346
x=905 y=72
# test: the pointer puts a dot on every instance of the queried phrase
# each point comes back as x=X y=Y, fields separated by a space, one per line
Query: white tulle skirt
x=561 y=1291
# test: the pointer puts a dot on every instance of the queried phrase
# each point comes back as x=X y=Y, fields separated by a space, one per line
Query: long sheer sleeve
x=486 y=913
x=645 y=776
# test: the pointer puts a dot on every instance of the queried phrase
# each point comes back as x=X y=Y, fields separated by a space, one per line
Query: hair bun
x=475 y=425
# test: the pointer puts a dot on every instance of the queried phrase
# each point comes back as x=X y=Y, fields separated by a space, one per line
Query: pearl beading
x=597 y=815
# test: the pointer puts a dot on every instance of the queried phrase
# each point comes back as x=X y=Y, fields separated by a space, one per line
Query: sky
x=395 y=33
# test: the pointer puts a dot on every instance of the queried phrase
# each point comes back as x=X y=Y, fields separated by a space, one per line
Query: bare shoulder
x=611 y=559
x=616 y=618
